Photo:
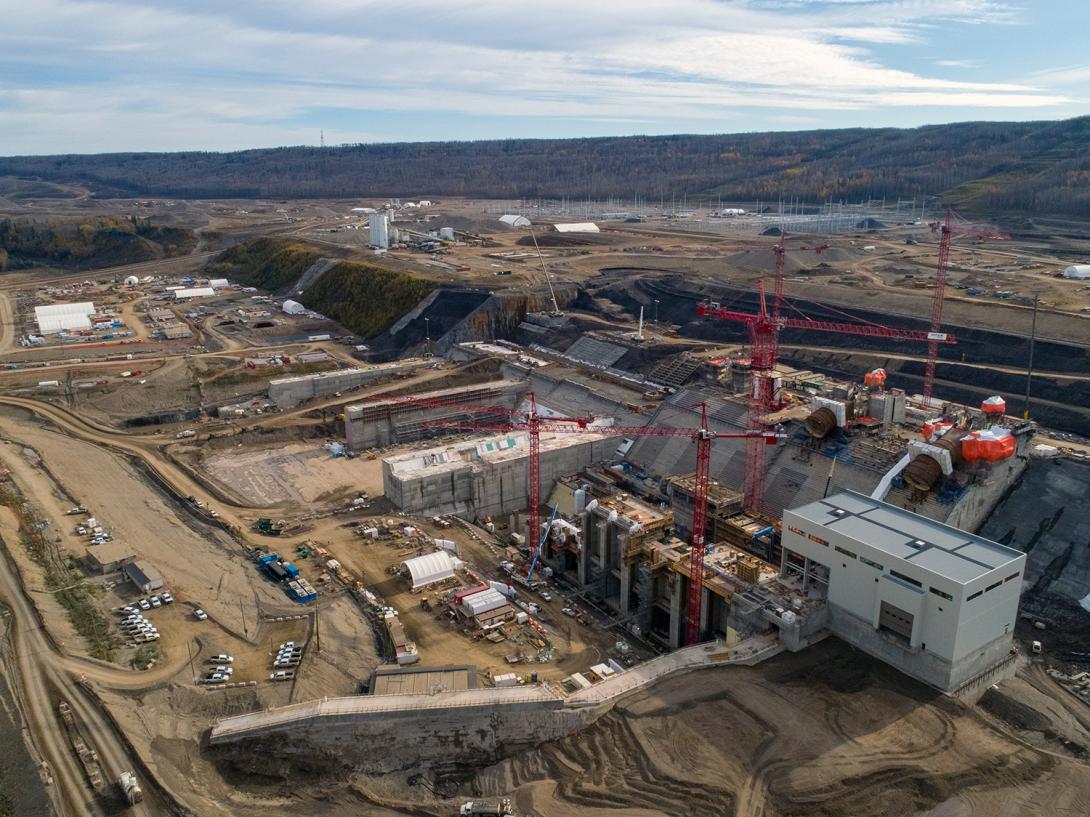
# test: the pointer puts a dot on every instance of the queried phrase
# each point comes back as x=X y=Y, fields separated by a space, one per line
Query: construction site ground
x=442 y=639
x=295 y=474
x=827 y=732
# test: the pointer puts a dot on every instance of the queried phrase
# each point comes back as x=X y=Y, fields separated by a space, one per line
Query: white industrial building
x=193 y=292
x=63 y=317
x=219 y=283
x=934 y=601
x=1078 y=271
x=577 y=227
x=512 y=220
x=380 y=234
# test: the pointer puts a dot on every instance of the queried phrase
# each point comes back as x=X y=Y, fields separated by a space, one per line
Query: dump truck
x=130 y=788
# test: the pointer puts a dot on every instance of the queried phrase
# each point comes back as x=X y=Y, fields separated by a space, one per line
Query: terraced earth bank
x=823 y=734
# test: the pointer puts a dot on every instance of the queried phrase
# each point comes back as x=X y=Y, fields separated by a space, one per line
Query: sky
x=99 y=76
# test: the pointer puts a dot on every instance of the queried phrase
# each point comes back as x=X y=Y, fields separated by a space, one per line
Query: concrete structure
x=388 y=680
x=109 y=557
x=193 y=292
x=63 y=317
x=379 y=231
x=175 y=331
x=1078 y=271
x=597 y=540
x=288 y=392
x=385 y=422
x=485 y=476
x=935 y=602
x=146 y=578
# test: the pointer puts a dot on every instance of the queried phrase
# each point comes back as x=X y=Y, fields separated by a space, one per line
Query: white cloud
x=147 y=74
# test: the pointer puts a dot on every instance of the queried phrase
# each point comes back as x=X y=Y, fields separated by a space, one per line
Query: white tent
x=219 y=283
x=515 y=221
x=431 y=568
x=62 y=317
x=193 y=292
x=1079 y=271
x=294 y=307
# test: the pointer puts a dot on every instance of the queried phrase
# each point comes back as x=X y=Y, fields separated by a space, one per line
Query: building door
x=895 y=620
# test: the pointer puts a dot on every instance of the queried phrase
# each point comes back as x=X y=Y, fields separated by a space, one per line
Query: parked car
x=156 y=601
x=222 y=658
x=200 y=614
x=282 y=675
x=215 y=678
x=167 y=598
x=144 y=604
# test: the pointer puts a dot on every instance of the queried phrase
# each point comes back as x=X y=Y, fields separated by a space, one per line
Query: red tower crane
x=947 y=230
x=764 y=333
x=534 y=423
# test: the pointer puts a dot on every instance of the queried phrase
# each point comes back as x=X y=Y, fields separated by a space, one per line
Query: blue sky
x=108 y=75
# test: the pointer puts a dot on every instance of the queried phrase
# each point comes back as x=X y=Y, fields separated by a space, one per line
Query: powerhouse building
x=934 y=601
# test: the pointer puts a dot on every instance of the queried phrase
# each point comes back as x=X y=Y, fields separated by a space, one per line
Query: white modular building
x=577 y=227
x=63 y=317
x=219 y=283
x=933 y=601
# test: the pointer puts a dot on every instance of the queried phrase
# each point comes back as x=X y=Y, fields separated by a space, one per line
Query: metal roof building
x=63 y=317
x=144 y=576
x=934 y=601
x=577 y=227
x=512 y=220
x=1078 y=271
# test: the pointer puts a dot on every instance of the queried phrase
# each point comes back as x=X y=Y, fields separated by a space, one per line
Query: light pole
x=656 y=310
x=427 y=333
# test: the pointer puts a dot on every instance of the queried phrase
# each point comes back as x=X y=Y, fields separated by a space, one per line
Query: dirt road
x=41 y=681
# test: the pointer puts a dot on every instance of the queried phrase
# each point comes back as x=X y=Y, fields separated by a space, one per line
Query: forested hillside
x=269 y=263
x=364 y=298
x=88 y=244
x=1042 y=166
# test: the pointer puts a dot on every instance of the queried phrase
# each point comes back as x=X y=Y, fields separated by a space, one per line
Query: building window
x=905 y=578
x=1012 y=577
x=847 y=553
x=939 y=593
x=977 y=593
x=992 y=586
x=867 y=561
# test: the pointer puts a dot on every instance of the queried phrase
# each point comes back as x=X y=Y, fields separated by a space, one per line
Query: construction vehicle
x=268 y=527
x=88 y=757
x=479 y=808
x=130 y=788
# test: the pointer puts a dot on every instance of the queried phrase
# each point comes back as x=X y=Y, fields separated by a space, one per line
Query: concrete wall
x=485 y=488
x=289 y=392
x=380 y=742
x=919 y=663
